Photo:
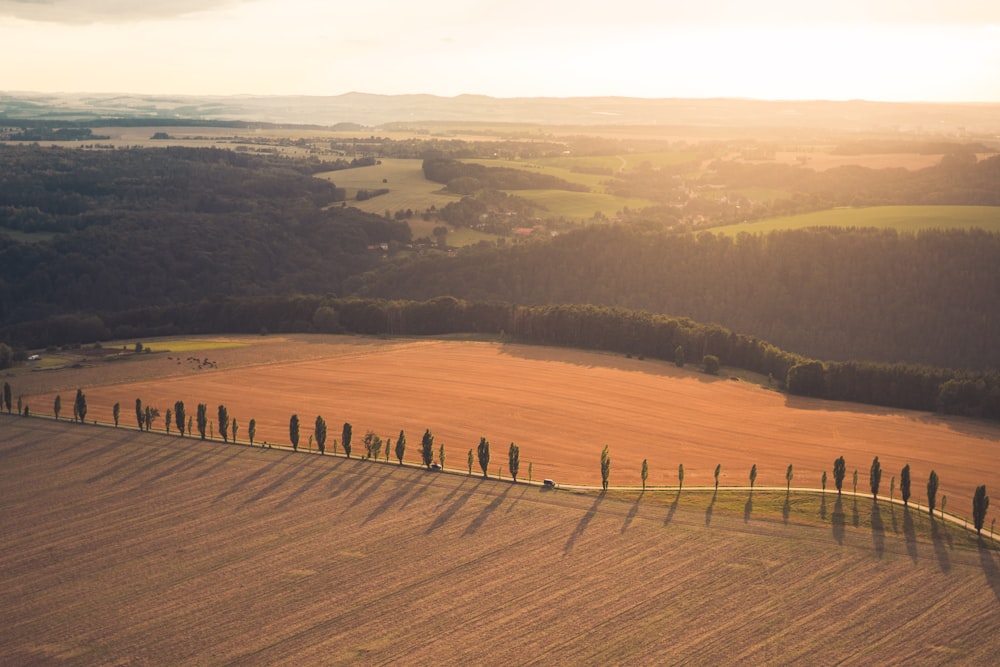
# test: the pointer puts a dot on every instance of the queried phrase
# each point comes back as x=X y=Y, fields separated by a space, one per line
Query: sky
x=887 y=50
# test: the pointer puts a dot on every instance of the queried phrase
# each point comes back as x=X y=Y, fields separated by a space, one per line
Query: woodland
x=98 y=244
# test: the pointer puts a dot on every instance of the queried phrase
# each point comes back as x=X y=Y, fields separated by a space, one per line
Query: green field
x=900 y=218
x=408 y=189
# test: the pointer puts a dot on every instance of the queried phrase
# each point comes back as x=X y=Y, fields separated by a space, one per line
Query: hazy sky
x=915 y=50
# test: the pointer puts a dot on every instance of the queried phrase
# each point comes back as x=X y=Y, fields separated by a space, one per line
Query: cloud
x=105 y=11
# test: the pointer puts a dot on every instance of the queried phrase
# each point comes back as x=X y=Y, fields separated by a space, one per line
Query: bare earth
x=120 y=548
x=560 y=406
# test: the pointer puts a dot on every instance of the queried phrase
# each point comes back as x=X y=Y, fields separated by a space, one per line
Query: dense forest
x=466 y=178
x=635 y=333
x=114 y=230
x=931 y=298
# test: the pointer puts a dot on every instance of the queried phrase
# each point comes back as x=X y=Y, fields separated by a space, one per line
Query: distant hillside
x=376 y=110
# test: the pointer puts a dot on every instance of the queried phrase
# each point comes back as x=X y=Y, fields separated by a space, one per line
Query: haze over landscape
x=886 y=50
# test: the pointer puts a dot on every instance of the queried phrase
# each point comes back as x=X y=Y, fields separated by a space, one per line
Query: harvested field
x=561 y=406
x=121 y=548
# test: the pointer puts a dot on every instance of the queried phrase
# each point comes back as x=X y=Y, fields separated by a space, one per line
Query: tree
x=345 y=438
x=753 y=476
x=679 y=356
x=400 y=446
x=980 y=503
x=236 y=428
x=57 y=406
x=471 y=459
x=179 y=416
x=169 y=419
x=513 y=460
x=224 y=423
x=80 y=405
x=932 y=489
x=189 y=424
x=823 y=480
x=718 y=469
x=892 y=487
x=711 y=364
x=875 y=477
x=293 y=432
x=680 y=476
x=320 y=432
x=483 y=454
x=427 y=448
x=529 y=472
x=116 y=412
x=140 y=416
x=150 y=415
x=839 y=471
x=904 y=484
x=252 y=430
x=644 y=474
x=788 y=479
x=605 y=467
x=441 y=455
x=6 y=396
x=202 y=419
x=855 y=479
x=373 y=445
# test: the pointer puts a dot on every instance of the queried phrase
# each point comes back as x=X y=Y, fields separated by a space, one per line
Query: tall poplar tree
x=224 y=423
x=427 y=448
x=839 y=472
x=320 y=432
x=293 y=432
x=513 y=460
x=179 y=416
x=483 y=454
x=400 y=446
x=605 y=467
x=345 y=438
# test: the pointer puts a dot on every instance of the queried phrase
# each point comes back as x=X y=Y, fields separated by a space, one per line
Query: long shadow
x=456 y=505
x=221 y=462
x=246 y=480
x=892 y=513
x=786 y=509
x=673 y=508
x=517 y=499
x=91 y=453
x=990 y=569
x=582 y=526
x=711 y=508
x=418 y=490
x=855 y=517
x=909 y=533
x=485 y=514
x=191 y=461
x=837 y=519
x=390 y=500
x=122 y=461
x=276 y=484
x=310 y=481
x=822 y=507
x=369 y=490
x=748 y=509
x=152 y=462
x=940 y=550
x=878 y=530
x=631 y=513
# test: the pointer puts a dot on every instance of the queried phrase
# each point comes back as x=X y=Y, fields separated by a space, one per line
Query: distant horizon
x=769 y=50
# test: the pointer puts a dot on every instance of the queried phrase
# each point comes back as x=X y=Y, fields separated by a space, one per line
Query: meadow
x=901 y=218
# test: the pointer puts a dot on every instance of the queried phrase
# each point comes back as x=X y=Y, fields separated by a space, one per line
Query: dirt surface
x=121 y=548
x=560 y=406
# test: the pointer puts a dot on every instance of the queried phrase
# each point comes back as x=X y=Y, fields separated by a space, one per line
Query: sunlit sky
x=893 y=50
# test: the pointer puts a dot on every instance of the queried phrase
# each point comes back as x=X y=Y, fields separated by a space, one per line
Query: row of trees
x=146 y=415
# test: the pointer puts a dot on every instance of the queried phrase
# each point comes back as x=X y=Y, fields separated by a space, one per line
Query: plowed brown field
x=560 y=406
x=120 y=548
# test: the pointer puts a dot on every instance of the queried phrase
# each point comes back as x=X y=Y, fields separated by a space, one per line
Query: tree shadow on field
x=263 y=470
x=90 y=453
x=672 y=509
x=711 y=508
x=485 y=514
x=748 y=509
x=988 y=559
x=397 y=496
x=909 y=533
x=822 y=506
x=940 y=550
x=359 y=498
x=878 y=530
x=317 y=474
x=221 y=461
x=582 y=526
x=631 y=513
x=276 y=484
x=454 y=505
x=517 y=499
x=195 y=459
x=855 y=517
x=122 y=461
x=892 y=513
x=152 y=462
x=838 y=520
x=786 y=509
